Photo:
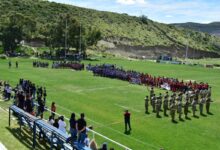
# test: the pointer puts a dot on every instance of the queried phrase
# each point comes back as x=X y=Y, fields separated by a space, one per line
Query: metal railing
x=94 y=133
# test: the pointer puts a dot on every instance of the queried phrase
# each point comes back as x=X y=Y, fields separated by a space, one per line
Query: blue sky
x=166 y=11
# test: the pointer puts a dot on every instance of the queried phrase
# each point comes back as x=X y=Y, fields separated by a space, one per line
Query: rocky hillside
x=123 y=32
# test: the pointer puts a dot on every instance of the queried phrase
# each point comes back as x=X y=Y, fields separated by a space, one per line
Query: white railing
x=94 y=133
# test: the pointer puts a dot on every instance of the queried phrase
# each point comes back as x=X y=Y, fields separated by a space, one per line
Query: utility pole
x=187 y=48
x=80 y=40
x=66 y=37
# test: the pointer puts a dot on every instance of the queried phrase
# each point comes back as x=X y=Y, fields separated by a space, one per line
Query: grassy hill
x=211 y=28
x=120 y=29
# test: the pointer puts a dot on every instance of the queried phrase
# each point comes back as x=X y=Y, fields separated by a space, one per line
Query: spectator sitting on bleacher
x=56 y=124
x=104 y=147
x=81 y=127
x=93 y=145
x=51 y=120
x=62 y=124
x=87 y=141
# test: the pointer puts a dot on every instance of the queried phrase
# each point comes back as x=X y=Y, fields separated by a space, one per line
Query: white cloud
x=131 y=2
x=168 y=16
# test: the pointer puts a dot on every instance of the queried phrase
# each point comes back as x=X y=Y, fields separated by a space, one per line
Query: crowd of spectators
x=173 y=84
x=25 y=95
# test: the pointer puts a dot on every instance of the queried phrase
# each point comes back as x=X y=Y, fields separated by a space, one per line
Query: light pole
x=65 y=37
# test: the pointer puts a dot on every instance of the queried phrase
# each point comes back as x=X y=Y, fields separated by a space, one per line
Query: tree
x=144 y=19
x=68 y=33
x=14 y=30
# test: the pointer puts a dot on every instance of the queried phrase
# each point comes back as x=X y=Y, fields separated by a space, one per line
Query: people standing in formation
x=146 y=105
x=68 y=64
x=179 y=103
x=38 y=64
x=134 y=77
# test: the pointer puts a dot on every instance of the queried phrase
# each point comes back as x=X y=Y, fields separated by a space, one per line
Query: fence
x=94 y=133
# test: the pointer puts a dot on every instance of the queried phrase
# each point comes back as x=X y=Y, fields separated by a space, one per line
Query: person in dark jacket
x=127 y=115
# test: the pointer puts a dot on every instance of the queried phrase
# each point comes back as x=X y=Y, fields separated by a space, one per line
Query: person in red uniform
x=127 y=115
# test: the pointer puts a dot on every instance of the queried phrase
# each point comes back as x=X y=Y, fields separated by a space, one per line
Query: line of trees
x=64 y=34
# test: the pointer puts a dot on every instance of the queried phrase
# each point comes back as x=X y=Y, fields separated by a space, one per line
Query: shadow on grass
x=127 y=132
x=195 y=116
x=203 y=115
x=181 y=119
x=188 y=118
x=209 y=113
x=174 y=121
x=25 y=137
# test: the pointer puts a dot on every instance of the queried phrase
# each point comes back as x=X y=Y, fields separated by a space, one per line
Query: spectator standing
x=81 y=127
x=53 y=109
x=16 y=64
x=9 y=64
x=28 y=104
x=73 y=129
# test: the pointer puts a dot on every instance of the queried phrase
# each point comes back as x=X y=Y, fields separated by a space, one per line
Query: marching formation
x=67 y=64
x=38 y=64
x=111 y=71
x=179 y=103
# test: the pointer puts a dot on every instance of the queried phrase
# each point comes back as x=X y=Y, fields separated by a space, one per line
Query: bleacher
x=54 y=137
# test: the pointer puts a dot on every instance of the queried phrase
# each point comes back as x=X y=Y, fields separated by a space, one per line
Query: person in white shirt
x=87 y=141
x=8 y=92
x=51 y=120
x=62 y=124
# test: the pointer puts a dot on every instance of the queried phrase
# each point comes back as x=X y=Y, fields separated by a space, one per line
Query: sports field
x=103 y=101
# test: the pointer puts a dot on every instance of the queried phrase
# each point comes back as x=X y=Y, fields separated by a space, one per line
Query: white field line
x=118 y=132
x=126 y=107
x=2 y=147
x=100 y=88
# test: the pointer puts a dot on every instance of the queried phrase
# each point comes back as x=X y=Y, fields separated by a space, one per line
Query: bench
x=23 y=117
x=54 y=136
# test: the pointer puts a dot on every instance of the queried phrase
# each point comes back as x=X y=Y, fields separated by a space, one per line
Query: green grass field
x=103 y=101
